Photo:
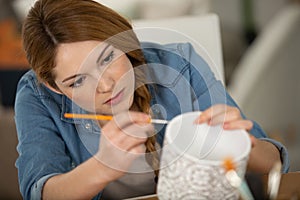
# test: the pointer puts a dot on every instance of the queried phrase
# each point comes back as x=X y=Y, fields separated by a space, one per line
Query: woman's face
x=96 y=76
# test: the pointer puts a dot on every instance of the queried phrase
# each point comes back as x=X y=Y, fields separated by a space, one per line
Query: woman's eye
x=108 y=58
x=78 y=82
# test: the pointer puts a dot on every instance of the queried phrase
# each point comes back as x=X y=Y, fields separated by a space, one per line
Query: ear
x=52 y=88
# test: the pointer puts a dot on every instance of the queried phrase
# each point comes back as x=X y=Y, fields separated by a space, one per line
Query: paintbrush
x=107 y=117
x=237 y=181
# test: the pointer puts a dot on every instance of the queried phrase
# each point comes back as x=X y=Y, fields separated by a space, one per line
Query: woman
x=85 y=58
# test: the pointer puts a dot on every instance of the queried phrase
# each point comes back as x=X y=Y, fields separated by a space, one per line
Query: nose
x=105 y=84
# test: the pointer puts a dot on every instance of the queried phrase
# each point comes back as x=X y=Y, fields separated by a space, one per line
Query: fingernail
x=200 y=120
x=225 y=126
x=148 y=119
x=197 y=121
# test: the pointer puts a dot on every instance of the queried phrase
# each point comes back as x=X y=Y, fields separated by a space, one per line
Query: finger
x=130 y=136
x=238 y=124
x=139 y=130
x=123 y=120
x=230 y=116
x=123 y=143
x=135 y=136
x=140 y=149
x=253 y=140
x=128 y=143
x=129 y=117
x=208 y=114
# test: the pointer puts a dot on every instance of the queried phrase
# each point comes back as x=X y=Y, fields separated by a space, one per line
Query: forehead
x=70 y=56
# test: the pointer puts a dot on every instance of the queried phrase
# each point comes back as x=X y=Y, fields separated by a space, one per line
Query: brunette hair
x=52 y=22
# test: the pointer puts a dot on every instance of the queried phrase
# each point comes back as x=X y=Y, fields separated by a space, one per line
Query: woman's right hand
x=122 y=140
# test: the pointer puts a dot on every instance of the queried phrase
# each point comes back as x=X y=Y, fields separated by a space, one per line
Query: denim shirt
x=178 y=79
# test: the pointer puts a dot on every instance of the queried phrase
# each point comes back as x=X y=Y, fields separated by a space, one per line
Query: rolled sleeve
x=283 y=154
x=210 y=91
x=42 y=150
x=36 y=191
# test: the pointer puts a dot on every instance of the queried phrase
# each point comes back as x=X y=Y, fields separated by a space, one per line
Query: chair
x=9 y=188
x=266 y=84
x=202 y=31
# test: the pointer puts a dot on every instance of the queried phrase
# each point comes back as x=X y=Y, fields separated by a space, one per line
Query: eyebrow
x=101 y=54
x=71 y=77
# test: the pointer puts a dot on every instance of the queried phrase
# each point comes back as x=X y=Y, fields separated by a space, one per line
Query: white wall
x=230 y=11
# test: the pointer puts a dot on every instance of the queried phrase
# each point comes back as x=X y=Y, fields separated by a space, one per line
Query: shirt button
x=156 y=108
x=73 y=165
x=88 y=126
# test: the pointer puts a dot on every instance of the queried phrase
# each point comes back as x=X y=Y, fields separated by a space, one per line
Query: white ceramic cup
x=193 y=157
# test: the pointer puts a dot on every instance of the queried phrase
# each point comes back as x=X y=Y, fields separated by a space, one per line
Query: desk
x=289 y=188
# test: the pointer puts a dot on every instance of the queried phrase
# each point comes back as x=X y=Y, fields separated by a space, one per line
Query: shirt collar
x=69 y=106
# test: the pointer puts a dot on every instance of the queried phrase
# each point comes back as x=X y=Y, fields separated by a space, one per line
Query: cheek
x=123 y=70
x=124 y=62
x=83 y=97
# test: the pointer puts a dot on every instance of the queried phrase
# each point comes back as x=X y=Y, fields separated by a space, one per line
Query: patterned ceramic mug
x=193 y=156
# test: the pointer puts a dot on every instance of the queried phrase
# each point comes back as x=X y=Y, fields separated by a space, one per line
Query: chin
x=119 y=108
x=124 y=105
x=113 y=110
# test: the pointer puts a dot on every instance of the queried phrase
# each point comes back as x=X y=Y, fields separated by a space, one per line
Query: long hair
x=52 y=22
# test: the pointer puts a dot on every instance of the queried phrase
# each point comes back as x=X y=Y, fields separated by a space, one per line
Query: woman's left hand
x=229 y=116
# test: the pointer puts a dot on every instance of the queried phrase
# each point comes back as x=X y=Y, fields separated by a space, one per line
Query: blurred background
x=260 y=44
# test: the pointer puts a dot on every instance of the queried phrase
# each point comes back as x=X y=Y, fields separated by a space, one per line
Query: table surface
x=289 y=187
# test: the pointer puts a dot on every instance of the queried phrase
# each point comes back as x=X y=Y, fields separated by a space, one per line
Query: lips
x=115 y=99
